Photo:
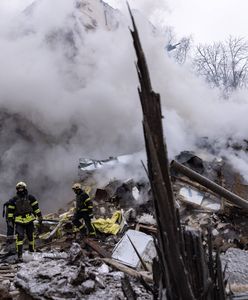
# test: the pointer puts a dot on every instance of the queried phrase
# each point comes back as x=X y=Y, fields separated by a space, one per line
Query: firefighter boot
x=91 y=230
x=19 y=253
x=82 y=233
x=31 y=248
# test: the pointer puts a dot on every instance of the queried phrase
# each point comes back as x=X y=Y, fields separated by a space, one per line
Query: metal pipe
x=231 y=197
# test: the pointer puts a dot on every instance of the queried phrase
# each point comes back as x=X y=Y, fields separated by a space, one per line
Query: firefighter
x=84 y=210
x=10 y=225
x=23 y=208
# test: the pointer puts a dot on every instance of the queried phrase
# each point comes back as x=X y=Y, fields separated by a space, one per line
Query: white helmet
x=21 y=184
x=77 y=186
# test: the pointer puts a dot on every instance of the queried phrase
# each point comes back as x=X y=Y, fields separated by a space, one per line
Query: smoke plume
x=63 y=96
x=68 y=89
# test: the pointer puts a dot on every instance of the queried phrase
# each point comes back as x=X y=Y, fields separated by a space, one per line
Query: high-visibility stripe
x=87 y=200
x=24 y=220
x=31 y=243
x=80 y=227
x=93 y=232
x=10 y=215
x=34 y=203
x=37 y=211
x=84 y=209
x=11 y=206
x=90 y=206
x=19 y=243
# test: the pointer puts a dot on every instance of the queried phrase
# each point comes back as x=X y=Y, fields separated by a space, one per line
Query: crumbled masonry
x=66 y=266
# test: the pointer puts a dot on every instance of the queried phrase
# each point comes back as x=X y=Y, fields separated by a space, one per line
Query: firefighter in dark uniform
x=84 y=210
x=22 y=210
x=10 y=224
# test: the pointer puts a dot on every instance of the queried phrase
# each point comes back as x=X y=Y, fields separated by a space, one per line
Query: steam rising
x=66 y=91
x=69 y=91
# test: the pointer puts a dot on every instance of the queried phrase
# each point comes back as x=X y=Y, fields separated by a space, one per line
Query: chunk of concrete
x=104 y=269
x=87 y=287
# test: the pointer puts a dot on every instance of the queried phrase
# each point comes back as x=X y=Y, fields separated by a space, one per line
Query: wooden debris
x=8 y=272
x=3 y=238
x=95 y=246
x=181 y=275
x=137 y=252
x=234 y=199
x=194 y=184
x=127 y=289
x=146 y=229
x=171 y=258
x=128 y=270
x=14 y=294
x=193 y=205
x=61 y=242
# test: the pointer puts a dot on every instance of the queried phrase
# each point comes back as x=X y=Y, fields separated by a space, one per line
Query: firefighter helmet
x=76 y=186
x=21 y=184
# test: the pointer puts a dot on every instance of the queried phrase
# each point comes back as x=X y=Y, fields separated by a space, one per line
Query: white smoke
x=67 y=92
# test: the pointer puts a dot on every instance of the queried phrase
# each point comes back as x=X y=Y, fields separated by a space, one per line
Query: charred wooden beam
x=175 y=283
x=95 y=246
x=139 y=256
x=127 y=289
x=214 y=187
x=183 y=272
x=127 y=270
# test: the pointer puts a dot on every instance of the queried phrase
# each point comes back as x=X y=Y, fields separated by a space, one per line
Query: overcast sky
x=206 y=20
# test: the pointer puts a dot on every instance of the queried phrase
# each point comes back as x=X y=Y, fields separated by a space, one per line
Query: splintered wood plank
x=95 y=246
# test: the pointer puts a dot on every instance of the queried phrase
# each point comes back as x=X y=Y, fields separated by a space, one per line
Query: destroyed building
x=197 y=207
x=70 y=268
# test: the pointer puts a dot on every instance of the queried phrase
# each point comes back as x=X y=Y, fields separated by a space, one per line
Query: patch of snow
x=147 y=219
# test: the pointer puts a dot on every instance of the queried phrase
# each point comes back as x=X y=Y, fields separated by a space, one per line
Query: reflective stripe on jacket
x=84 y=203
x=25 y=219
x=23 y=210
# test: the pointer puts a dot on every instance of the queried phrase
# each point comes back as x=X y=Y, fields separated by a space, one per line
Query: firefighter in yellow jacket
x=84 y=210
x=23 y=208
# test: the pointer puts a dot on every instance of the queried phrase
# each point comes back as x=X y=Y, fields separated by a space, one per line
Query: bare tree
x=183 y=49
x=224 y=64
x=178 y=49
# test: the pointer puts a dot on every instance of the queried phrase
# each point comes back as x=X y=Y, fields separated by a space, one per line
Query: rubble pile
x=63 y=269
x=71 y=275
x=67 y=266
x=200 y=208
x=235 y=262
x=7 y=275
x=131 y=256
x=227 y=232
